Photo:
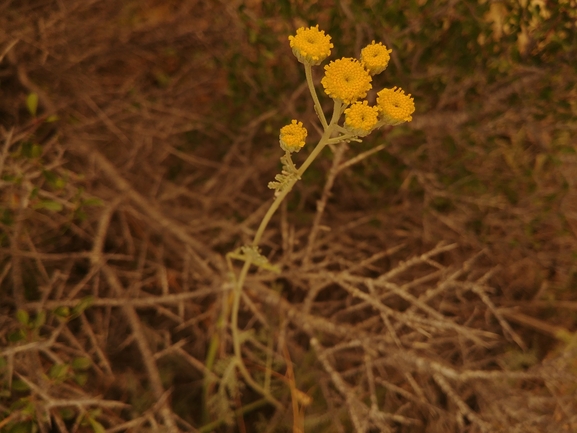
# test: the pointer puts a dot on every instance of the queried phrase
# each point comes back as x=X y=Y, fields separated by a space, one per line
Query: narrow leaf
x=32 y=103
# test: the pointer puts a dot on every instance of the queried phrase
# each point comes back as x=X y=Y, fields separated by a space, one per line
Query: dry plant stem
x=321 y=204
x=51 y=402
x=298 y=416
x=149 y=301
x=96 y=345
x=197 y=250
x=17 y=281
x=340 y=384
x=35 y=345
x=133 y=320
x=464 y=409
x=478 y=289
x=361 y=157
x=5 y=148
x=337 y=111
x=8 y=48
x=146 y=352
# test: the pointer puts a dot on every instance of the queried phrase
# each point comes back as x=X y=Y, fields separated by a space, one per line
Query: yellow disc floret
x=361 y=118
x=375 y=57
x=292 y=136
x=395 y=106
x=346 y=79
x=311 y=45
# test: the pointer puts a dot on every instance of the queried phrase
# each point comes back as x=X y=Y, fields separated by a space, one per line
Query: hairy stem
x=321 y=204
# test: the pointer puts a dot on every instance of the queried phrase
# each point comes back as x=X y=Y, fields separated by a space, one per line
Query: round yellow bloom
x=292 y=136
x=311 y=45
x=375 y=57
x=361 y=118
x=346 y=79
x=395 y=106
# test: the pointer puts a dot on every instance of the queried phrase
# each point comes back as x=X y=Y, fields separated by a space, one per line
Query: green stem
x=236 y=338
x=340 y=138
x=337 y=111
x=325 y=139
x=318 y=107
x=270 y=212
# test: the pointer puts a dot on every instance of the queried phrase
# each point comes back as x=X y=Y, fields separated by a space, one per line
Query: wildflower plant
x=347 y=81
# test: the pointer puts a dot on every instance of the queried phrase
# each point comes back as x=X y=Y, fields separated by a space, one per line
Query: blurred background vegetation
x=138 y=138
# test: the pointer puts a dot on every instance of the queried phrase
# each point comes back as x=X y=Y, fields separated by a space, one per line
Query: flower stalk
x=318 y=107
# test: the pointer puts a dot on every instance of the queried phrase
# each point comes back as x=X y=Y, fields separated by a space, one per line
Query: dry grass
x=407 y=302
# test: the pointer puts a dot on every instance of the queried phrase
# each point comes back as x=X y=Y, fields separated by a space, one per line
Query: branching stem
x=239 y=284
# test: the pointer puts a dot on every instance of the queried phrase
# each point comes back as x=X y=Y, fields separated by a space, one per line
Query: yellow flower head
x=395 y=106
x=361 y=118
x=346 y=79
x=292 y=136
x=375 y=58
x=311 y=45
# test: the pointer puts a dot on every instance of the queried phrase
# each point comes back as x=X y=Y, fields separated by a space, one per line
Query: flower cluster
x=292 y=136
x=361 y=118
x=311 y=45
x=395 y=106
x=375 y=58
x=348 y=82
x=346 y=79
